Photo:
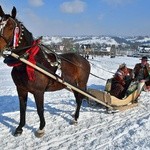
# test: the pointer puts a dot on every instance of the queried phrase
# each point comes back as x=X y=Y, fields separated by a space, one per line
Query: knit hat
x=122 y=66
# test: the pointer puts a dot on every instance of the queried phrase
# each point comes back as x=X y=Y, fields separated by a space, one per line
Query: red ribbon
x=16 y=37
x=32 y=52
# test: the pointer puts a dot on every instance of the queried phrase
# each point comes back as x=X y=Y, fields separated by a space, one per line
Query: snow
x=96 y=129
x=102 y=40
x=48 y=40
x=144 y=40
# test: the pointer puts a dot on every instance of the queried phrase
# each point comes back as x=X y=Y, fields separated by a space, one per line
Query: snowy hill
x=140 y=39
x=98 y=40
x=109 y=40
x=48 y=40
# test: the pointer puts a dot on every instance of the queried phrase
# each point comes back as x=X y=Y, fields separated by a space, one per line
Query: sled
x=129 y=101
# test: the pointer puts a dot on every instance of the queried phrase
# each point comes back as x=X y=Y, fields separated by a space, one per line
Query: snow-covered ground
x=96 y=129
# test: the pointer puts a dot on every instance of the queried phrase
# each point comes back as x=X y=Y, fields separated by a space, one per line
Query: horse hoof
x=73 y=122
x=39 y=133
x=18 y=132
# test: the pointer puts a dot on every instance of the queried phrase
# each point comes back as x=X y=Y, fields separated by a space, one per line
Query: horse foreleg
x=79 y=98
x=39 y=99
x=23 y=104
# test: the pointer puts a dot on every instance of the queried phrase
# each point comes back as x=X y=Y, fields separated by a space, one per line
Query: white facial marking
x=2 y=25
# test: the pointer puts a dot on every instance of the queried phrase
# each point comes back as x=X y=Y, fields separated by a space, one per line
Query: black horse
x=75 y=69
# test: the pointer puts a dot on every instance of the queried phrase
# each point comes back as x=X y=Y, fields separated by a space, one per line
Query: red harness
x=32 y=53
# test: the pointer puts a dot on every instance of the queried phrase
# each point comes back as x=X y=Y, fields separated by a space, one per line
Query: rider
x=120 y=82
x=141 y=72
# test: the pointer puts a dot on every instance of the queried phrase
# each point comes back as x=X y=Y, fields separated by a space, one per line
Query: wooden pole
x=59 y=80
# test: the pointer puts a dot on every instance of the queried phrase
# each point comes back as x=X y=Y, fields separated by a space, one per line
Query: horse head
x=13 y=34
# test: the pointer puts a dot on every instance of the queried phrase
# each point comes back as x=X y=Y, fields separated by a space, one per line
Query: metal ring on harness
x=53 y=64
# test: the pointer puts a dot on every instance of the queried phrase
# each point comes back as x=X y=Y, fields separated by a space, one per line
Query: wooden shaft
x=59 y=80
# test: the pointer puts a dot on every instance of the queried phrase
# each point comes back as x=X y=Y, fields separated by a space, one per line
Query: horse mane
x=6 y=16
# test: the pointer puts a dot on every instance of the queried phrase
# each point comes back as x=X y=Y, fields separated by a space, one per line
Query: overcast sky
x=82 y=17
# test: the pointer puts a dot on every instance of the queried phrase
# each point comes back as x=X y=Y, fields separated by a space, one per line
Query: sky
x=82 y=17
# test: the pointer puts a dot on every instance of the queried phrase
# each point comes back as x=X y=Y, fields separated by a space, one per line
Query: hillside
x=109 y=40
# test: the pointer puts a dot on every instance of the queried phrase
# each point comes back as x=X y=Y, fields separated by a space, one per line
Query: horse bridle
x=2 y=26
x=7 y=41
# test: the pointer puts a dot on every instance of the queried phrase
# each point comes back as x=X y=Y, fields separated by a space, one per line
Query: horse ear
x=1 y=12
x=14 y=12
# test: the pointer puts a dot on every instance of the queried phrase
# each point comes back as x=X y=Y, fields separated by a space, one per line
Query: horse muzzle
x=6 y=52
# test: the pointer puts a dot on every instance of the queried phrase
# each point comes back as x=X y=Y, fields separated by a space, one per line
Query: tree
x=67 y=43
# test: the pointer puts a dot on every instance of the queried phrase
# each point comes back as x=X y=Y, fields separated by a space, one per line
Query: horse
x=14 y=37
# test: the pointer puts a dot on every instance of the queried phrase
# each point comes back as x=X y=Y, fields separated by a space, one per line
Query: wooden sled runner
x=127 y=102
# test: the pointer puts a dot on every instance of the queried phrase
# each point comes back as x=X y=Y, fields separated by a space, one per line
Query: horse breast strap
x=30 y=53
x=56 y=63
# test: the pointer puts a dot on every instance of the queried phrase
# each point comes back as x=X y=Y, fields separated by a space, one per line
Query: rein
x=102 y=68
x=71 y=62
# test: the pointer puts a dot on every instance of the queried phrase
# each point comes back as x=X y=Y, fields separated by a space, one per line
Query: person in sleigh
x=120 y=82
x=141 y=72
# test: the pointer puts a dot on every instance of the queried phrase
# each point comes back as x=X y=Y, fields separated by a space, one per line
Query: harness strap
x=53 y=64
x=32 y=52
